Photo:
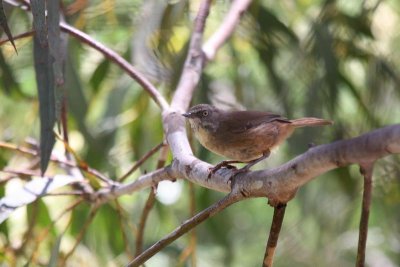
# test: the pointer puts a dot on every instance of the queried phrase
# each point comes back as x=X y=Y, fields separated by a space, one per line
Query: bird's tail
x=303 y=122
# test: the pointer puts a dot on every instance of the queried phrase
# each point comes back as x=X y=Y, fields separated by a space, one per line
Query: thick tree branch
x=281 y=183
x=194 y=62
x=173 y=121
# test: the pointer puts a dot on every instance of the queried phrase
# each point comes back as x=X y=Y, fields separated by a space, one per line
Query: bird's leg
x=254 y=162
x=251 y=164
x=246 y=168
x=222 y=164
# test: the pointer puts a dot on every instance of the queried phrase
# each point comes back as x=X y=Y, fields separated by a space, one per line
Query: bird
x=242 y=136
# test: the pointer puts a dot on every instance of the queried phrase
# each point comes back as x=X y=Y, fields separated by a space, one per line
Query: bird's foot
x=223 y=164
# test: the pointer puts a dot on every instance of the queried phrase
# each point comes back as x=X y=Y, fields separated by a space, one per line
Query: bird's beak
x=187 y=115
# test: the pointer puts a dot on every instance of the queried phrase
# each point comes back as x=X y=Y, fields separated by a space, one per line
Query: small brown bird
x=242 y=136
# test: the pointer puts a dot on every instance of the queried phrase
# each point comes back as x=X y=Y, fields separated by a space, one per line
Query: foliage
x=331 y=59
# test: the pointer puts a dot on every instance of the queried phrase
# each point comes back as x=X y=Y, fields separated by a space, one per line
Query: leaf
x=45 y=82
x=4 y=25
x=8 y=82
x=39 y=214
x=271 y=25
x=358 y=97
x=324 y=49
x=31 y=191
x=99 y=74
x=57 y=51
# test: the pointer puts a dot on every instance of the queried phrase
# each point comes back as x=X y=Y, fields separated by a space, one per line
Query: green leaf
x=358 y=97
x=58 y=49
x=99 y=74
x=324 y=49
x=45 y=82
x=4 y=25
x=8 y=82
x=270 y=24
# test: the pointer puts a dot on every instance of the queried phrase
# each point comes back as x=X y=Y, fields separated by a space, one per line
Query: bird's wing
x=241 y=121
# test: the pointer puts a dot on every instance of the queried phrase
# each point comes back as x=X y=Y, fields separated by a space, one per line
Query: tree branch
x=222 y=34
x=279 y=213
x=149 y=204
x=145 y=181
x=280 y=184
x=143 y=159
x=110 y=54
x=194 y=62
x=142 y=221
x=184 y=228
x=366 y=170
x=120 y=61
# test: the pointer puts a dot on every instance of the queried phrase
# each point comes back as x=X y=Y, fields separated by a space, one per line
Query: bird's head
x=204 y=116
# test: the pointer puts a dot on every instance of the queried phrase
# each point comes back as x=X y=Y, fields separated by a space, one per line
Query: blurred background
x=330 y=59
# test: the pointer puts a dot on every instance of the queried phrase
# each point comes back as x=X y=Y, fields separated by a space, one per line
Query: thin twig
x=69 y=193
x=225 y=30
x=64 y=123
x=145 y=181
x=121 y=219
x=143 y=219
x=24 y=173
x=116 y=58
x=149 y=204
x=141 y=161
x=190 y=250
x=19 y=148
x=184 y=228
x=55 y=159
x=19 y=36
x=46 y=231
x=279 y=213
x=366 y=170
x=88 y=221
x=82 y=165
x=162 y=159
x=120 y=61
x=29 y=233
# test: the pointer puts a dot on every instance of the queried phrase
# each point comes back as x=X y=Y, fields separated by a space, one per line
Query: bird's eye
x=205 y=113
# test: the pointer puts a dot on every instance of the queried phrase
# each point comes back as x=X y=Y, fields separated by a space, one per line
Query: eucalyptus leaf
x=99 y=75
x=4 y=25
x=57 y=56
x=45 y=82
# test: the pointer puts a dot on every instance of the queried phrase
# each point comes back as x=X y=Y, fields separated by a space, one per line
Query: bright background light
x=169 y=192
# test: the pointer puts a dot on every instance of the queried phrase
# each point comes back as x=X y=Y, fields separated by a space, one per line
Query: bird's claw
x=217 y=167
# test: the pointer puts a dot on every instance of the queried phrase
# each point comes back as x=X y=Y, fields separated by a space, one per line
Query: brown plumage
x=243 y=136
